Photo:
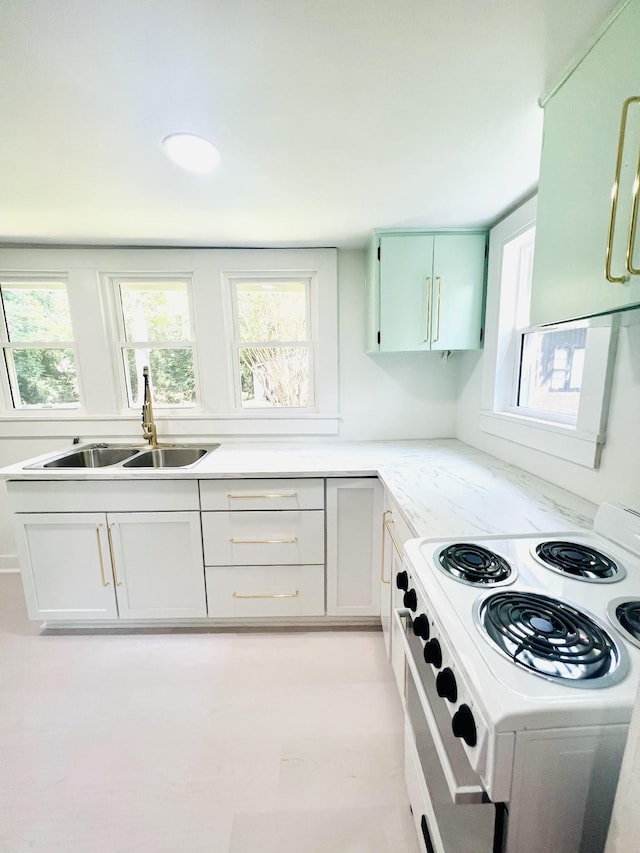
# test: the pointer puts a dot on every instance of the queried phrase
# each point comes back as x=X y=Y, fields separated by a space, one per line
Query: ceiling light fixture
x=191 y=152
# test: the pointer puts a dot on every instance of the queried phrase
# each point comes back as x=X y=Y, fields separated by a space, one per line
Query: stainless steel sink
x=94 y=456
x=177 y=456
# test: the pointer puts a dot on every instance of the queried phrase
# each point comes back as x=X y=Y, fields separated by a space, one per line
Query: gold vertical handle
x=428 y=328
x=113 y=555
x=385 y=520
x=633 y=224
x=105 y=582
x=437 y=337
x=614 y=197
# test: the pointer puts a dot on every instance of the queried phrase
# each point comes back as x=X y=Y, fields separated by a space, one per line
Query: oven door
x=450 y=807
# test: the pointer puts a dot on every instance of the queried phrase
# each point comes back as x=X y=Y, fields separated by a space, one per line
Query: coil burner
x=551 y=638
x=624 y=614
x=579 y=561
x=475 y=565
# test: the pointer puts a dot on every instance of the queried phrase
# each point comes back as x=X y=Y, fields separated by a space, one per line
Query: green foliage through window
x=41 y=375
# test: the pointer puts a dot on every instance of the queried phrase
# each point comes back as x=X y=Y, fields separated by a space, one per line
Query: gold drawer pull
x=264 y=541
x=113 y=556
x=233 y=497
x=105 y=582
x=269 y=595
x=389 y=525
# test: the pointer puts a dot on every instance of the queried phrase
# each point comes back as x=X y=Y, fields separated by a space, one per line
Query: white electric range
x=521 y=679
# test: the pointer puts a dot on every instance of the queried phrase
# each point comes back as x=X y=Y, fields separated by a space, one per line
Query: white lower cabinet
x=354 y=506
x=66 y=566
x=141 y=550
x=264 y=548
x=157 y=565
x=265 y=591
x=394 y=534
x=91 y=566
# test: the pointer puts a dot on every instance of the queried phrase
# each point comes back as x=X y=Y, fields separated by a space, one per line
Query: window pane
x=45 y=377
x=39 y=312
x=272 y=311
x=172 y=376
x=155 y=313
x=274 y=376
x=551 y=370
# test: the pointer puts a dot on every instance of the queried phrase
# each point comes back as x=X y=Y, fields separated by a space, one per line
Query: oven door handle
x=460 y=794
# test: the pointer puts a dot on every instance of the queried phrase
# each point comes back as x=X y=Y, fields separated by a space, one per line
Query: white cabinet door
x=354 y=508
x=157 y=564
x=65 y=564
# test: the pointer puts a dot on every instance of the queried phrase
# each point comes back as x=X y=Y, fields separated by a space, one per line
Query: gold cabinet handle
x=614 y=197
x=388 y=523
x=269 y=595
x=264 y=541
x=113 y=555
x=633 y=224
x=428 y=328
x=437 y=337
x=233 y=497
x=386 y=513
x=105 y=582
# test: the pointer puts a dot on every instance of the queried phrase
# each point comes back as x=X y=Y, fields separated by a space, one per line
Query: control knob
x=446 y=685
x=421 y=626
x=402 y=580
x=464 y=726
x=433 y=653
x=410 y=600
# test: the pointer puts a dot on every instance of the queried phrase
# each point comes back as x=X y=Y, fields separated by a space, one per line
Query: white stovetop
x=442 y=487
x=512 y=697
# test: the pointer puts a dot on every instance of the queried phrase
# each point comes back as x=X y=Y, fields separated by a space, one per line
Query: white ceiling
x=332 y=116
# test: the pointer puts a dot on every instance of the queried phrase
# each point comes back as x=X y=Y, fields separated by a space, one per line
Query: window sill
x=560 y=440
x=64 y=425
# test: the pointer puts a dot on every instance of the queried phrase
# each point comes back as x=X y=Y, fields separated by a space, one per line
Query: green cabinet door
x=406 y=285
x=580 y=145
x=458 y=291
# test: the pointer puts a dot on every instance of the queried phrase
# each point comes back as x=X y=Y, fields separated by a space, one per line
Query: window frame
x=88 y=271
x=9 y=375
x=580 y=441
x=309 y=278
x=120 y=342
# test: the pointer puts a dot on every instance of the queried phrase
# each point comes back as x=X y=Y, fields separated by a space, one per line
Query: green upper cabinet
x=579 y=156
x=425 y=291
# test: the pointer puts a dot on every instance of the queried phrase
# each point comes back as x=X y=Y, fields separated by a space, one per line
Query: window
x=544 y=387
x=551 y=370
x=273 y=364
x=155 y=322
x=39 y=349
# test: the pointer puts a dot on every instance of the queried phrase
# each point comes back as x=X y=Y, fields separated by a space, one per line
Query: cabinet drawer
x=240 y=495
x=257 y=591
x=263 y=538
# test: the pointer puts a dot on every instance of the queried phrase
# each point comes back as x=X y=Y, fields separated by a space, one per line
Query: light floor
x=198 y=743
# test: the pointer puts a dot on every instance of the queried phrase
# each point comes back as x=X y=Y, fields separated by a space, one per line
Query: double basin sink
x=130 y=456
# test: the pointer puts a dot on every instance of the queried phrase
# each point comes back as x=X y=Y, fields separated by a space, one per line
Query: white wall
x=618 y=477
x=388 y=395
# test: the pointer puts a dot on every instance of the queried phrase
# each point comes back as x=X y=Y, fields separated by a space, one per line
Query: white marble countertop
x=442 y=487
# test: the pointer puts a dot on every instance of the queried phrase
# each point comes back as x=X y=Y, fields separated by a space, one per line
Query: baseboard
x=9 y=563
